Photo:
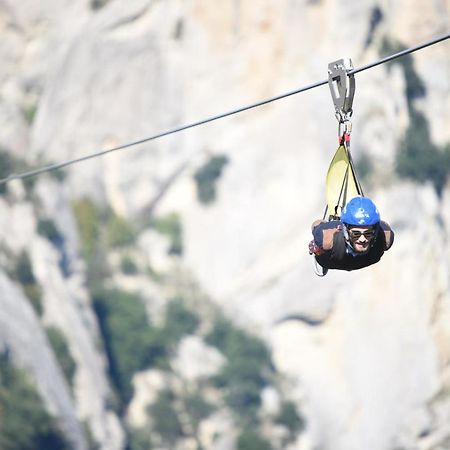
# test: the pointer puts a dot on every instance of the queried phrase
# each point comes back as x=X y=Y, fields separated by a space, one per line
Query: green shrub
x=165 y=418
x=179 y=321
x=418 y=158
x=132 y=344
x=23 y=273
x=25 y=424
x=29 y=113
x=375 y=19
x=48 y=229
x=33 y=292
x=139 y=439
x=246 y=371
x=98 y=4
x=289 y=417
x=415 y=87
x=251 y=440
x=90 y=220
x=206 y=178
x=197 y=409
x=6 y=168
x=120 y=233
x=170 y=225
x=11 y=165
x=364 y=167
x=61 y=349
x=127 y=265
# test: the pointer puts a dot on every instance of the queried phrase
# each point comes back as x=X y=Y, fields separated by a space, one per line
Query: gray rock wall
x=368 y=351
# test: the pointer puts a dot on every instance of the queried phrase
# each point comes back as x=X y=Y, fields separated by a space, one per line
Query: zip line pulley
x=342 y=87
x=341 y=182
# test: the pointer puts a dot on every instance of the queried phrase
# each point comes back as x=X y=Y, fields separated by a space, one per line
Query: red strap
x=344 y=138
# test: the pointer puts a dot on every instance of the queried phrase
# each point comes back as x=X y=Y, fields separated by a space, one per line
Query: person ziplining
x=353 y=236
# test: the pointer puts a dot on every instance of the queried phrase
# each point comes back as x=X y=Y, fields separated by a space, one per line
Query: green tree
x=88 y=217
x=61 y=349
x=290 y=418
x=251 y=440
x=246 y=371
x=6 y=168
x=131 y=343
x=418 y=158
x=90 y=220
x=179 y=320
x=24 y=422
x=23 y=273
x=120 y=233
x=206 y=178
x=197 y=409
x=9 y=165
x=170 y=225
x=139 y=439
x=48 y=229
x=127 y=265
x=165 y=418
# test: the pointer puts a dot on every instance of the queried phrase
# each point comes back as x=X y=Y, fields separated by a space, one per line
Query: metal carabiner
x=342 y=87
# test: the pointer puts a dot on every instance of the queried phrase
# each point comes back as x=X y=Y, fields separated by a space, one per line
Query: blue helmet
x=360 y=211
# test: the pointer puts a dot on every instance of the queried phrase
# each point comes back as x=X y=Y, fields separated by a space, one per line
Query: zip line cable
x=217 y=117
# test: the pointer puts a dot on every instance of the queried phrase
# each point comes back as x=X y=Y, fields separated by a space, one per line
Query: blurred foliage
x=98 y=4
x=375 y=19
x=251 y=440
x=246 y=371
x=120 y=233
x=6 y=168
x=170 y=225
x=131 y=343
x=48 y=229
x=127 y=265
x=23 y=273
x=206 y=178
x=29 y=113
x=61 y=349
x=165 y=418
x=24 y=422
x=290 y=418
x=100 y=230
x=139 y=439
x=23 y=270
x=89 y=219
x=92 y=443
x=9 y=165
x=179 y=321
x=415 y=87
x=364 y=167
x=418 y=158
x=197 y=409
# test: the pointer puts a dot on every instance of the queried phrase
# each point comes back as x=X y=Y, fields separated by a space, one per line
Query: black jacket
x=333 y=252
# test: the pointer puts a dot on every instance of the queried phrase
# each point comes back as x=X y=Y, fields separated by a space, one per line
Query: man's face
x=361 y=238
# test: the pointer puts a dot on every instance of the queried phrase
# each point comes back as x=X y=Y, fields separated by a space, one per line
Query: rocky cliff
x=367 y=353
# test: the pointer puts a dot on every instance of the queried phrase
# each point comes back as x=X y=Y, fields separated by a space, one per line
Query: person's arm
x=323 y=233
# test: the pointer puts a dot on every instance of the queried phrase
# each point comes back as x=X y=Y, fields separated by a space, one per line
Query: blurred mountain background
x=162 y=296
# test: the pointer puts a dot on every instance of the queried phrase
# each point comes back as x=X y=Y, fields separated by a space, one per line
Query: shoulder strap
x=339 y=249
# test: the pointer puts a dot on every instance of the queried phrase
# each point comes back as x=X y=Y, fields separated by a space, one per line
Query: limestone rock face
x=368 y=351
x=23 y=337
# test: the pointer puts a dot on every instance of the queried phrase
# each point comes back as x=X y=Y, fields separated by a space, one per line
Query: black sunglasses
x=356 y=234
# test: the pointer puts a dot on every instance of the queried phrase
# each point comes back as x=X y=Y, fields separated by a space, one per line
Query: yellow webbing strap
x=341 y=182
